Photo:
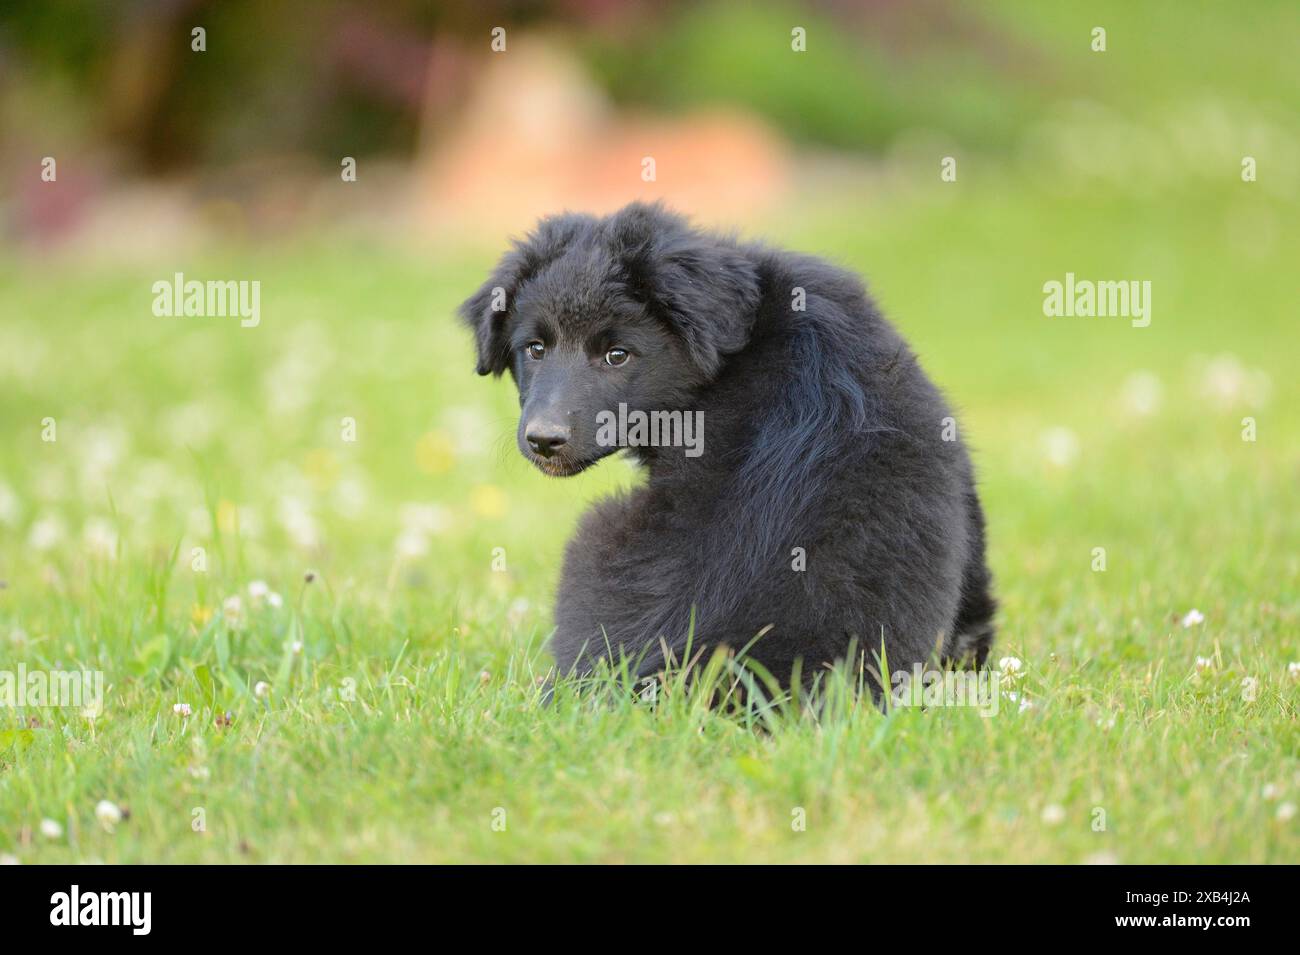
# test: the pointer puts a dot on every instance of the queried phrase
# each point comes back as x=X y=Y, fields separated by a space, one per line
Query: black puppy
x=819 y=498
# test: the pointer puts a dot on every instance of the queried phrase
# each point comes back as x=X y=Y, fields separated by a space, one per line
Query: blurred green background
x=183 y=433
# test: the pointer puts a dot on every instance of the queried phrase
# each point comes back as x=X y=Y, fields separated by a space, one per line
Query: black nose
x=545 y=439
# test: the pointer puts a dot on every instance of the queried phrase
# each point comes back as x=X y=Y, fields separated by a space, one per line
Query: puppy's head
x=635 y=309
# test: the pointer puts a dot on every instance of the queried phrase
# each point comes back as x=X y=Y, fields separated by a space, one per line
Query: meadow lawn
x=398 y=720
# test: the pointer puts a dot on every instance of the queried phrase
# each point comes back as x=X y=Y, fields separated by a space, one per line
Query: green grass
x=409 y=715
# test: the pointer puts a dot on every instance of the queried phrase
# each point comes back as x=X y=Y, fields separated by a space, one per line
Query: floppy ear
x=487 y=312
x=701 y=285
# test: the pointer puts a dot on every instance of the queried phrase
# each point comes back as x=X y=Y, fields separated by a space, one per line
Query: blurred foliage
x=304 y=76
x=298 y=76
x=848 y=89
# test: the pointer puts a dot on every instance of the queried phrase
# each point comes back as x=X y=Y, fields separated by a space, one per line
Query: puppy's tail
x=973 y=631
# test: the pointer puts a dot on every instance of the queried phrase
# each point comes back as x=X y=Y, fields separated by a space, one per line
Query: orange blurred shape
x=537 y=137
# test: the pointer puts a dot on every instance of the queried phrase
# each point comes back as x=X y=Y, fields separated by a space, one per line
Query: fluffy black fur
x=821 y=432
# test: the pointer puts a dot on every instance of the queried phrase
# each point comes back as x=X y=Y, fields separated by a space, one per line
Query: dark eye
x=536 y=350
x=616 y=357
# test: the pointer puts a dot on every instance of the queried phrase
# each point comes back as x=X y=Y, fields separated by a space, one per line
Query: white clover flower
x=1026 y=704
x=1010 y=666
x=10 y=506
x=1249 y=689
x=108 y=814
x=430 y=519
x=1229 y=383
x=1293 y=670
x=181 y=709
x=1271 y=791
x=1192 y=618
x=262 y=689
x=260 y=593
x=8 y=859
x=232 y=612
x=350 y=497
x=470 y=427
x=1060 y=447
x=100 y=537
x=1142 y=393
x=1286 y=812
x=1204 y=664
x=517 y=611
x=51 y=829
x=412 y=543
x=45 y=534
x=1053 y=815
x=297 y=520
x=296 y=647
x=102 y=448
